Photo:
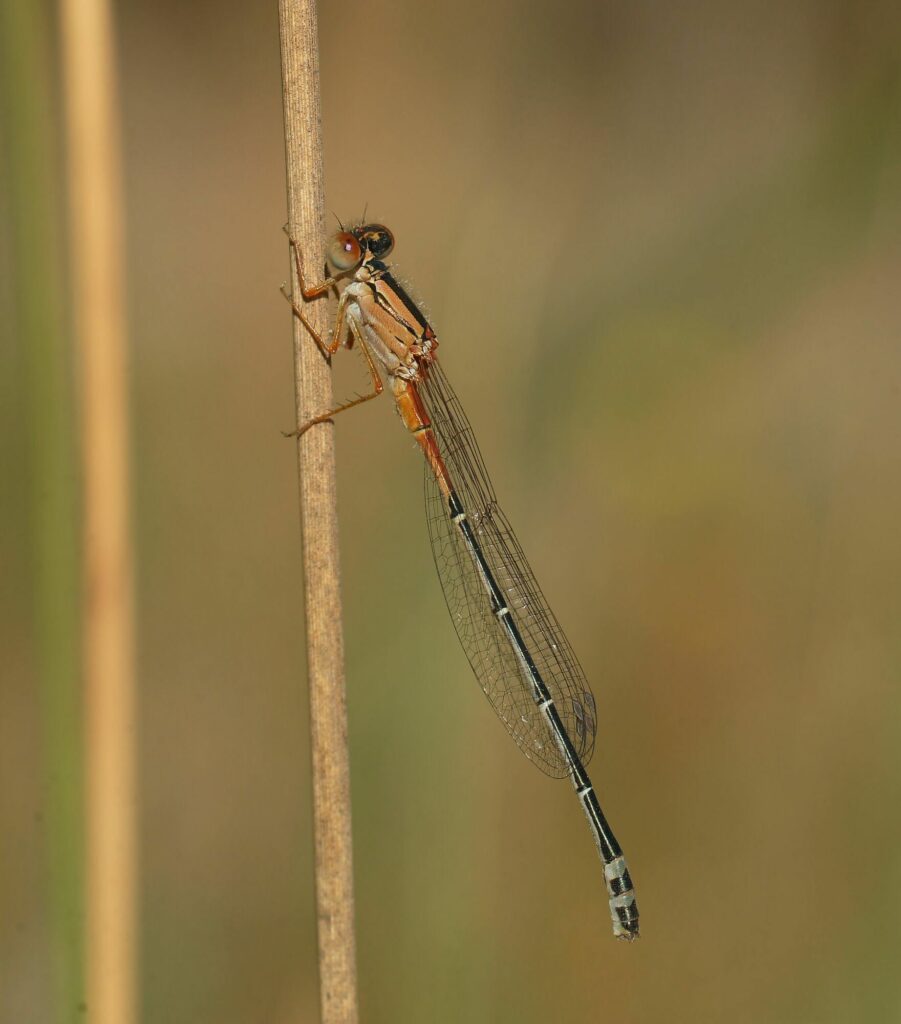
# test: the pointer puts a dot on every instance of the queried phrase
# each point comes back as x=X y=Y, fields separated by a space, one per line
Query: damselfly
x=515 y=645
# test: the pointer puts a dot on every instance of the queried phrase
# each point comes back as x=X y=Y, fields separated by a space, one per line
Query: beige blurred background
x=660 y=245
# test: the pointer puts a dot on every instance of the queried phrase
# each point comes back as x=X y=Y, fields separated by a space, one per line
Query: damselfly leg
x=342 y=326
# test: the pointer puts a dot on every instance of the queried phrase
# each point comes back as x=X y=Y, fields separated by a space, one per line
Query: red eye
x=344 y=253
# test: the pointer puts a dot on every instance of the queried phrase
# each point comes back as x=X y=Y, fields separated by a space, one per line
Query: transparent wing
x=482 y=636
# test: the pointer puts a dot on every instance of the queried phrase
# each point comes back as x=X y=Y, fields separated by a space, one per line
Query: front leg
x=328 y=349
x=312 y=291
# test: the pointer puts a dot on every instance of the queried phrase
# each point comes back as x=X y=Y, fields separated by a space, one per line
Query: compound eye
x=344 y=253
x=379 y=240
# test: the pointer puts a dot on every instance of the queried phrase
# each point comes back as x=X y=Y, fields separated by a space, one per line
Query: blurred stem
x=98 y=292
x=30 y=162
x=319 y=526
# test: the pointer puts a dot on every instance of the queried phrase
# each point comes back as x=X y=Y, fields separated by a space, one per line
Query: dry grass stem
x=98 y=290
x=318 y=515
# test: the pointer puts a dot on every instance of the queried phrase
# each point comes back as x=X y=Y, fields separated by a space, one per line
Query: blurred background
x=660 y=245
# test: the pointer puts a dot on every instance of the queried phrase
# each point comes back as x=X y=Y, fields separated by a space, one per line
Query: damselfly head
x=348 y=249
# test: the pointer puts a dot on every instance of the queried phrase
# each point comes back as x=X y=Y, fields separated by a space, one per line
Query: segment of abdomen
x=417 y=421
